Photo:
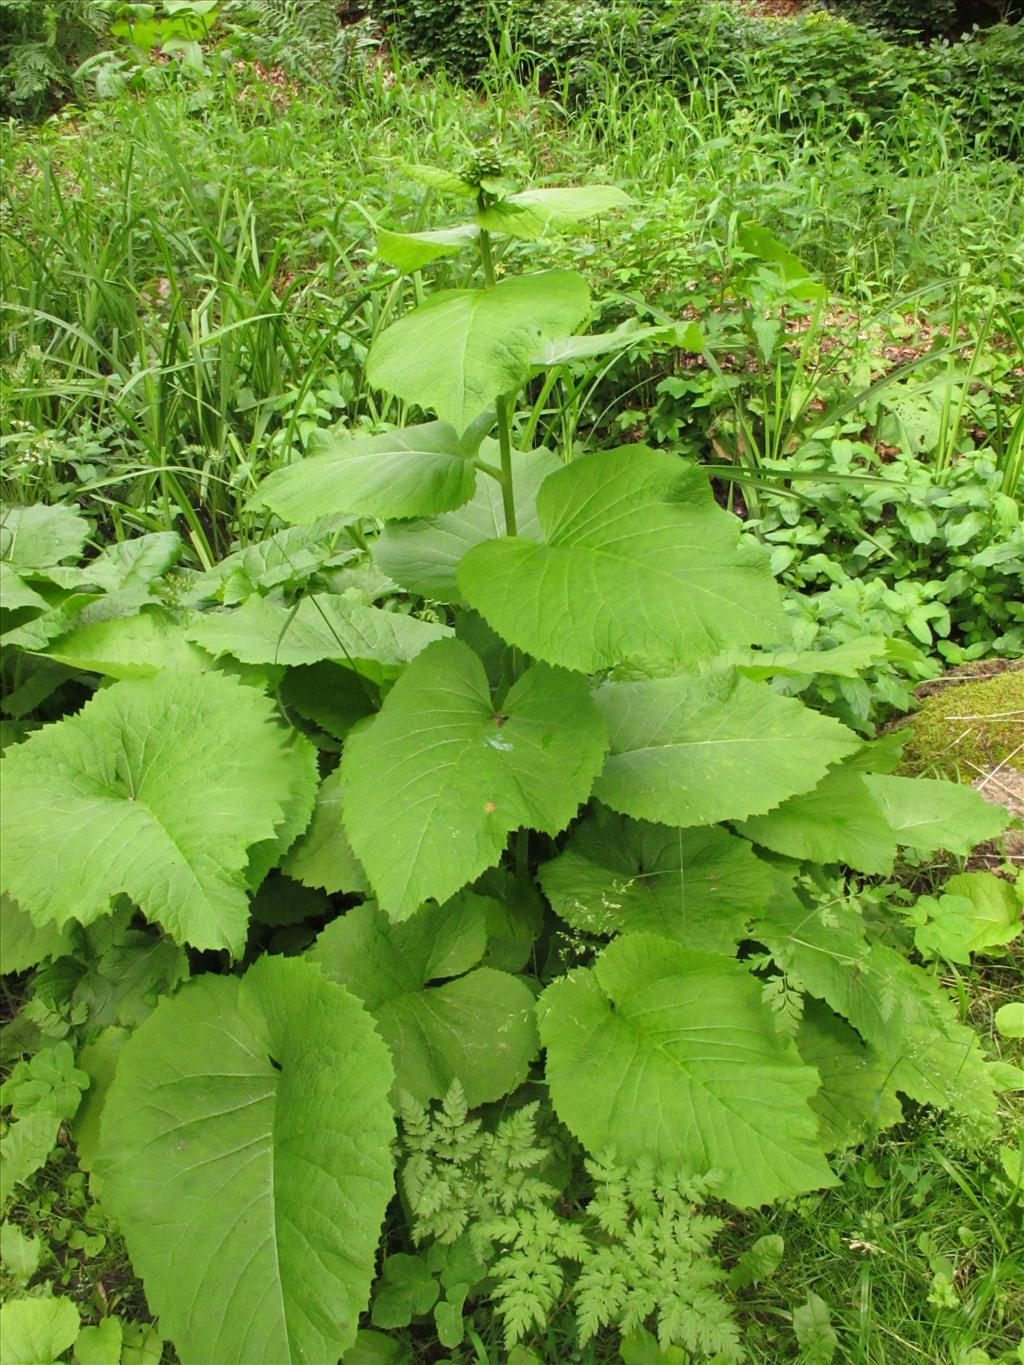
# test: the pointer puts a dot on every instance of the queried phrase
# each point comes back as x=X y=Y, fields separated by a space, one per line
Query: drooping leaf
x=15 y=593
x=23 y=943
x=163 y=785
x=98 y=1059
x=463 y=348
x=37 y=1331
x=695 y=749
x=440 y=778
x=896 y=1007
x=567 y=349
x=926 y=814
x=132 y=565
x=322 y=626
x=667 y=1053
x=416 y=472
x=424 y=556
x=474 y=1026
x=839 y=821
x=618 y=876
x=323 y=857
x=530 y=213
x=297 y=801
x=637 y=563
x=856 y=1098
x=763 y=244
x=130 y=647
x=413 y=250
x=246 y=1155
x=515 y=917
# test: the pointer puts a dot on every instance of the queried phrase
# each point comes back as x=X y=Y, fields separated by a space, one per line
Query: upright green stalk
x=521 y=842
x=508 y=498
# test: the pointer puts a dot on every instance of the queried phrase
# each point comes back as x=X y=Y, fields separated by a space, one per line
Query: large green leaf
x=321 y=626
x=40 y=537
x=667 y=1053
x=861 y=819
x=896 y=1007
x=463 y=348
x=424 y=555
x=617 y=876
x=131 y=566
x=530 y=213
x=477 y=1028
x=435 y=784
x=245 y=1153
x=415 y=472
x=638 y=562
x=695 y=749
x=156 y=790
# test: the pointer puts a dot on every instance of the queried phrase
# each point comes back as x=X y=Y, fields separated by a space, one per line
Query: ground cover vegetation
x=480 y=488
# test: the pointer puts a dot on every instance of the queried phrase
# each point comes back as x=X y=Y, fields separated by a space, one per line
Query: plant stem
x=503 y=408
x=508 y=497
x=502 y=404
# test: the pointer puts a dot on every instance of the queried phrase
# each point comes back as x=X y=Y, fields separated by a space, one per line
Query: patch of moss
x=968 y=728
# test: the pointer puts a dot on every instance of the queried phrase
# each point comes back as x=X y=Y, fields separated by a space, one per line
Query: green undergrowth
x=482 y=899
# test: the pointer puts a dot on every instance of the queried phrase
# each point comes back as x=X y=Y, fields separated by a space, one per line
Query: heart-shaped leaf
x=474 y=1026
x=163 y=786
x=637 y=562
x=438 y=780
x=668 y=1054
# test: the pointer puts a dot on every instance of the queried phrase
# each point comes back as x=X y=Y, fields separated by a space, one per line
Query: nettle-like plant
x=579 y=703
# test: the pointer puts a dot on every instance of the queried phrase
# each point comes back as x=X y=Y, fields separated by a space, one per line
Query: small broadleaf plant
x=570 y=812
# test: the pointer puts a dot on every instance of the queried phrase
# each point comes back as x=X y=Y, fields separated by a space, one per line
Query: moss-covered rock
x=966 y=729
